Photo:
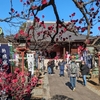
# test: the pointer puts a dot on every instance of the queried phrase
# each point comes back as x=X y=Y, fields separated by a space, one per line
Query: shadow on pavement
x=79 y=81
x=61 y=97
x=92 y=82
x=37 y=99
x=68 y=84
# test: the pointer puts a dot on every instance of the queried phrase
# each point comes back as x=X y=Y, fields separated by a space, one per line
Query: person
x=56 y=64
x=52 y=66
x=84 y=71
x=73 y=73
x=61 y=65
x=49 y=67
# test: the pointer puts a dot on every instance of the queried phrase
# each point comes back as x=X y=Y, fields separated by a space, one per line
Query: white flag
x=30 y=59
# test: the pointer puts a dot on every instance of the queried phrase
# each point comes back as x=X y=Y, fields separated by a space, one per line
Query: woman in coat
x=84 y=71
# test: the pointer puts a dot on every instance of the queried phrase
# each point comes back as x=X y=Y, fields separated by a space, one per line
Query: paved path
x=59 y=89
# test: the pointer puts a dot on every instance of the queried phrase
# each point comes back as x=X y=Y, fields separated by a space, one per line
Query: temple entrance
x=52 y=54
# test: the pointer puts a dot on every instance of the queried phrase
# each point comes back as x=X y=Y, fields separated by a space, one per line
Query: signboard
x=5 y=55
x=30 y=59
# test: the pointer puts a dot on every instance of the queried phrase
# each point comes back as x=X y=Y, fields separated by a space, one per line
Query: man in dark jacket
x=52 y=66
x=84 y=71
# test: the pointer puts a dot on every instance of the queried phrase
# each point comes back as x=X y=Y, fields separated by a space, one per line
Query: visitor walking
x=61 y=67
x=73 y=73
x=52 y=66
x=56 y=64
x=84 y=71
x=49 y=67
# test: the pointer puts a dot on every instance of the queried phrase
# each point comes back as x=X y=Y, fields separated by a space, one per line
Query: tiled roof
x=65 y=35
x=96 y=41
x=3 y=40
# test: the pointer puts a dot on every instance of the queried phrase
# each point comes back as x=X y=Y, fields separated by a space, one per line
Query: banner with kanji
x=5 y=55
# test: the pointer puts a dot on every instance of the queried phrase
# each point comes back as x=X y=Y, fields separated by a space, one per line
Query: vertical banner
x=30 y=59
x=5 y=55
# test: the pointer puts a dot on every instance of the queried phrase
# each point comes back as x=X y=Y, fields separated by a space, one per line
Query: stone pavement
x=42 y=91
x=58 y=87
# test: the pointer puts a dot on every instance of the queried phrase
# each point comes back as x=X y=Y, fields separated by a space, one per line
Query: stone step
x=37 y=97
x=37 y=93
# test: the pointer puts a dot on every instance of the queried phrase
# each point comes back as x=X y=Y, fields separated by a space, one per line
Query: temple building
x=66 y=42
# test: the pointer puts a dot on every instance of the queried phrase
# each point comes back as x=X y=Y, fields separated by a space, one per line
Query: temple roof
x=3 y=40
x=66 y=35
x=96 y=41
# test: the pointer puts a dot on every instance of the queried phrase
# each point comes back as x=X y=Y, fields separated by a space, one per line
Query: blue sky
x=64 y=7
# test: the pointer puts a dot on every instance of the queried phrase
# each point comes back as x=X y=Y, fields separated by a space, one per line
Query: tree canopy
x=90 y=10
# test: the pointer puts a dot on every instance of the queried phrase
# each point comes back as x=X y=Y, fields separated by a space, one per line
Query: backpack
x=73 y=68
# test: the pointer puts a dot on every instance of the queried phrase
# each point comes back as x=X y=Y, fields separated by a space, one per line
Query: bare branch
x=88 y=2
x=80 y=7
x=41 y=7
